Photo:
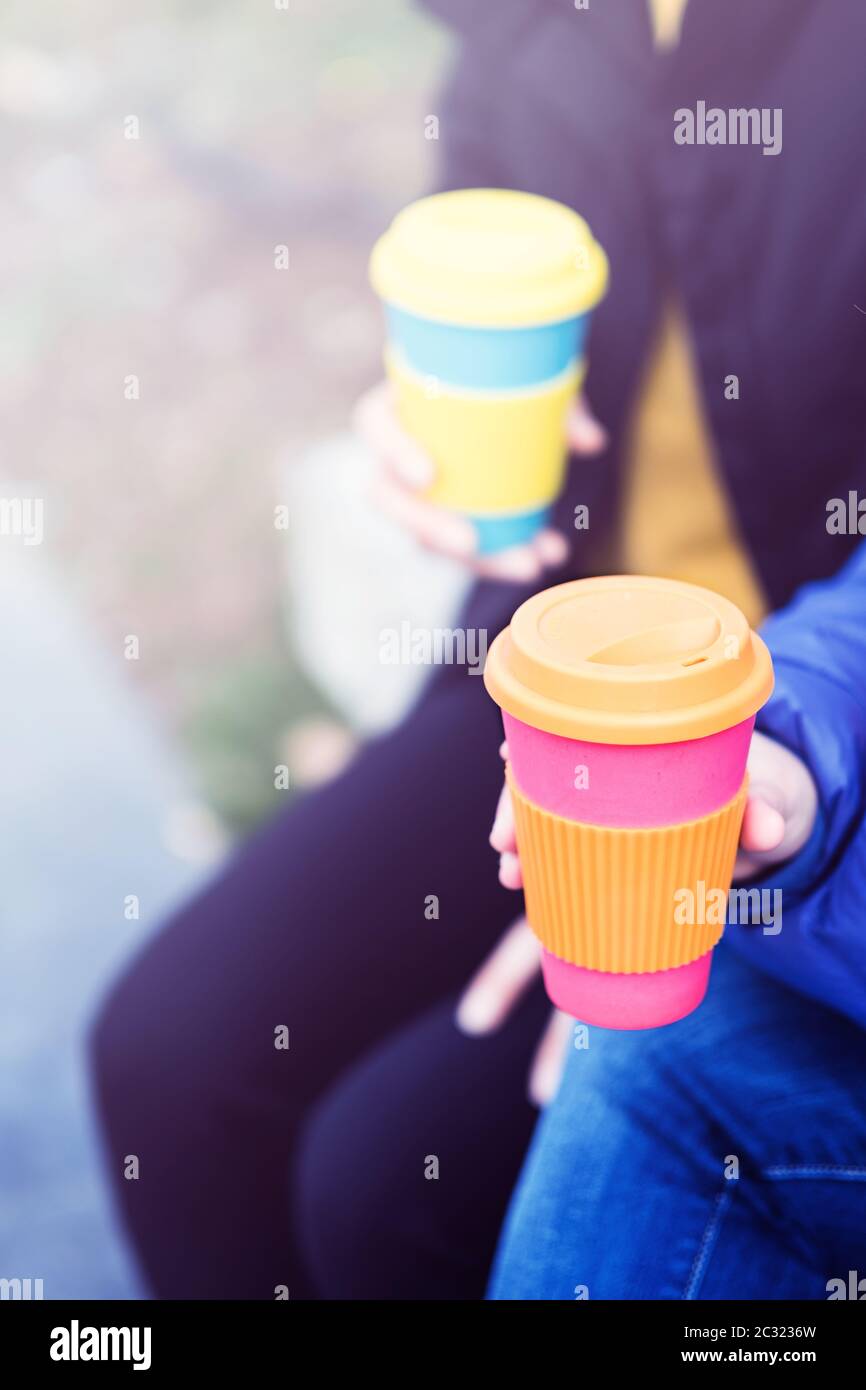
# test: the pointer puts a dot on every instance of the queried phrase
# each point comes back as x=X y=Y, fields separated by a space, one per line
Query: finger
x=503 y=750
x=758 y=836
x=450 y=534
x=548 y=550
x=548 y=1063
x=510 y=872
x=502 y=979
x=551 y=547
x=584 y=433
x=502 y=836
x=375 y=420
x=519 y=565
x=433 y=526
x=763 y=826
x=781 y=782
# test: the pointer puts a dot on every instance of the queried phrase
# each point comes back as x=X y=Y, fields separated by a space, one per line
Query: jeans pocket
x=791 y=1231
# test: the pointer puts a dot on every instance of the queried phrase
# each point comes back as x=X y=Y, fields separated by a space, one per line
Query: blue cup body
x=510 y=528
x=486 y=359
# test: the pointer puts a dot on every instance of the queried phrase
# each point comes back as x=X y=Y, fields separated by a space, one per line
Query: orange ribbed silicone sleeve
x=610 y=898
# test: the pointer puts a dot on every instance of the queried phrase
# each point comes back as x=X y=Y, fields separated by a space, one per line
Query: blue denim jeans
x=721 y=1157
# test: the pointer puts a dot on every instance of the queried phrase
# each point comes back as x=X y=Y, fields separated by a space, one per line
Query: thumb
x=501 y=981
x=780 y=811
x=549 y=1060
x=763 y=826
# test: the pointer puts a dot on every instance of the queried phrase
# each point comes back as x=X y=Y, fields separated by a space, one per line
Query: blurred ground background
x=154 y=257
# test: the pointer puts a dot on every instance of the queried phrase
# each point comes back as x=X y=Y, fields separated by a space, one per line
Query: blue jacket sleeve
x=818 y=710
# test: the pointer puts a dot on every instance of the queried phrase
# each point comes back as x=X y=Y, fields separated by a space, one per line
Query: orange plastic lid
x=627 y=659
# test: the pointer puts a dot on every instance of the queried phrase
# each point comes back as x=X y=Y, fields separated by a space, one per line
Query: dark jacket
x=767 y=256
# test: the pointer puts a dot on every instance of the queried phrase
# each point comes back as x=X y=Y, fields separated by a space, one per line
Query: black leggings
x=261 y=1167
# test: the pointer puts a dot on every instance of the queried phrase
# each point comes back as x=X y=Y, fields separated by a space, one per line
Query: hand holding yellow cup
x=488 y=296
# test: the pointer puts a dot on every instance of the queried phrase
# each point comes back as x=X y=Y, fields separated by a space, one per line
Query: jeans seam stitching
x=708 y=1240
x=826 y=1170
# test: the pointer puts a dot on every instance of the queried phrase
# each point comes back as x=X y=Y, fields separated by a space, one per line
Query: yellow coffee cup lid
x=489 y=257
x=631 y=660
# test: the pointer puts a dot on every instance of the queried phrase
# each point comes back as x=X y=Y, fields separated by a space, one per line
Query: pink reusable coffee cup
x=628 y=705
